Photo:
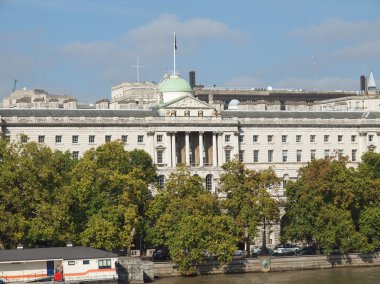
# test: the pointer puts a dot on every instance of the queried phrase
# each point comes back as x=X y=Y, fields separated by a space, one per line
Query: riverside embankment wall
x=264 y=264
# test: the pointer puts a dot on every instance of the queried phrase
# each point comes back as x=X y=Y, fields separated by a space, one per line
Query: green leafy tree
x=188 y=219
x=248 y=200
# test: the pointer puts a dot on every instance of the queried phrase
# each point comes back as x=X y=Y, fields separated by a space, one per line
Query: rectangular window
x=284 y=138
x=75 y=155
x=91 y=139
x=298 y=138
x=340 y=138
x=160 y=157
x=228 y=155
x=353 y=138
x=327 y=153
x=255 y=138
x=284 y=156
x=270 y=138
x=24 y=138
x=326 y=138
x=255 y=156
x=299 y=155
x=86 y=261
x=71 y=262
x=370 y=138
x=124 y=139
x=270 y=156
x=241 y=156
x=159 y=138
x=107 y=138
x=312 y=154
x=227 y=138
x=312 y=138
x=41 y=139
x=104 y=263
x=353 y=155
x=58 y=139
x=340 y=153
x=140 y=138
x=75 y=139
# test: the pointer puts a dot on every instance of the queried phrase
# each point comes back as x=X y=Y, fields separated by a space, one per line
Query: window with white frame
x=370 y=138
x=159 y=138
x=340 y=138
x=124 y=139
x=91 y=139
x=75 y=155
x=255 y=138
x=284 y=138
x=353 y=155
x=340 y=153
x=41 y=138
x=227 y=138
x=161 y=181
x=312 y=138
x=255 y=156
x=228 y=155
x=58 y=139
x=24 y=138
x=353 y=138
x=75 y=139
x=270 y=156
x=285 y=180
x=298 y=138
x=107 y=138
x=104 y=263
x=160 y=156
x=326 y=138
x=270 y=138
x=327 y=153
x=208 y=182
x=284 y=156
x=312 y=154
x=299 y=155
x=140 y=138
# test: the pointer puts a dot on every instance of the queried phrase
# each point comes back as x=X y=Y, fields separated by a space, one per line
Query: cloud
x=337 y=30
x=366 y=49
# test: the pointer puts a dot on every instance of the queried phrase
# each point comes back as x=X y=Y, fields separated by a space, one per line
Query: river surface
x=364 y=275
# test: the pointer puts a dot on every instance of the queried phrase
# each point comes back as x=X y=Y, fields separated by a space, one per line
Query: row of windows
x=313 y=154
x=91 y=139
x=102 y=263
x=312 y=138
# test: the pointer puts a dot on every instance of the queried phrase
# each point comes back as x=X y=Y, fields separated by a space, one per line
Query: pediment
x=186 y=102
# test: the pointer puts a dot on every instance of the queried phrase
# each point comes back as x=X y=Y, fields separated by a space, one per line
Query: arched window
x=285 y=180
x=271 y=238
x=161 y=181
x=209 y=182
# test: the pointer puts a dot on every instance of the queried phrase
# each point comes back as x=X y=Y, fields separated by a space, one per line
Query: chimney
x=192 y=79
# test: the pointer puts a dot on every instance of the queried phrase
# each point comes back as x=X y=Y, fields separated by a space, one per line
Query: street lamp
x=264 y=250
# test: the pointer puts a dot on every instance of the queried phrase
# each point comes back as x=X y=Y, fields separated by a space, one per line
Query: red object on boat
x=58 y=276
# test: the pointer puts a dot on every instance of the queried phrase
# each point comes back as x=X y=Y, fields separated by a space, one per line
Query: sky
x=82 y=48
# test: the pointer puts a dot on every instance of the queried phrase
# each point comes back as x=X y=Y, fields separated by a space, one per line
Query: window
x=327 y=153
x=284 y=138
x=124 y=139
x=161 y=181
x=298 y=138
x=140 y=139
x=75 y=139
x=58 y=139
x=340 y=153
x=312 y=138
x=353 y=138
x=75 y=155
x=71 y=262
x=228 y=155
x=24 y=138
x=91 y=139
x=227 y=138
x=160 y=157
x=209 y=182
x=86 y=261
x=270 y=138
x=255 y=138
x=104 y=263
x=241 y=138
x=299 y=155
x=285 y=180
x=312 y=154
x=159 y=138
x=241 y=156
x=284 y=156
x=41 y=139
x=326 y=138
x=107 y=138
x=255 y=156
x=370 y=138
x=270 y=156
x=340 y=138
x=353 y=155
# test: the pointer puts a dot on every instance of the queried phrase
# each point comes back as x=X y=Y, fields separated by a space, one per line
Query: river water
x=363 y=275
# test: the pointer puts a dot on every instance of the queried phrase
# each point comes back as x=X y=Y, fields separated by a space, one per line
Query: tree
x=34 y=206
x=325 y=203
x=248 y=200
x=188 y=219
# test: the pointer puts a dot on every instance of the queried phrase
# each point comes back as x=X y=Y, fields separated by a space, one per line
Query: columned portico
x=220 y=148
x=187 y=148
x=214 y=149
x=200 y=149
x=173 y=147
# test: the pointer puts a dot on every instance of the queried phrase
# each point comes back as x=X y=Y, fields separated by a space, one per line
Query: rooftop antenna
x=174 y=49
x=137 y=66
x=14 y=85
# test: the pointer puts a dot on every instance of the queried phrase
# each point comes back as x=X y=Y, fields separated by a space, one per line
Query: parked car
x=161 y=254
x=285 y=249
x=307 y=251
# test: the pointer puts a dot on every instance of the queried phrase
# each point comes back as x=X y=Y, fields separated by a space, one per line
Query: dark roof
x=65 y=253
x=8 y=112
x=300 y=114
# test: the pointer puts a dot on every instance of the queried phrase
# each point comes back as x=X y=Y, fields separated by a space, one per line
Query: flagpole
x=174 y=48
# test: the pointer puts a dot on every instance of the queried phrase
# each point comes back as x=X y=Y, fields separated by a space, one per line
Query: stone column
x=187 y=148
x=151 y=146
x=214 y=150
x=200 y=149
x=174 y=158
x=235 y=141
x=168 y=150
x=220 y=148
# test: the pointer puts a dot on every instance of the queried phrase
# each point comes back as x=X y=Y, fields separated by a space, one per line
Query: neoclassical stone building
x=180 y=128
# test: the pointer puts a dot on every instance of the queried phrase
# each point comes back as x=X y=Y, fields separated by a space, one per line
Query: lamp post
x=264 y=250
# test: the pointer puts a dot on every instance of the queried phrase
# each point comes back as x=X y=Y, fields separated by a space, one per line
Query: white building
x=182 y=129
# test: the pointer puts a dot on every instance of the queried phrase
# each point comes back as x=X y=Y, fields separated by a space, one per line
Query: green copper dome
x=174 y=84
